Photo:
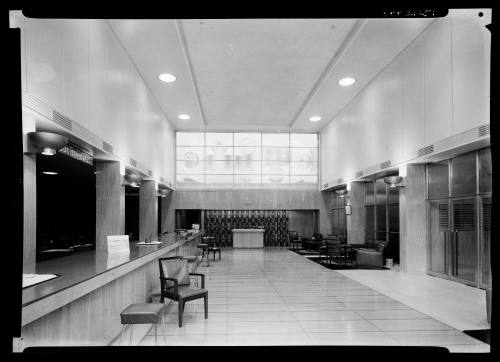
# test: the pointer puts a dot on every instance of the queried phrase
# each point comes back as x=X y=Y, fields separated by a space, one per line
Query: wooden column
x=168 y=212
x=325 y=212
x=29 y=203
x=148 y=211
x=356 y=222
x=412 y=221
x=110 y=202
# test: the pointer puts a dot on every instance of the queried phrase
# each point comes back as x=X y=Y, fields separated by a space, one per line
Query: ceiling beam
x=192 y=76
x=326 y=73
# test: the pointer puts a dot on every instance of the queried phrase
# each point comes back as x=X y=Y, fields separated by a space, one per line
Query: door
x=439 y=235
x=464 y=246
x=485 y=241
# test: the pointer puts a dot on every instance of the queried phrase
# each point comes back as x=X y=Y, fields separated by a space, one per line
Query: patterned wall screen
x=219 y=224
x=225 y=159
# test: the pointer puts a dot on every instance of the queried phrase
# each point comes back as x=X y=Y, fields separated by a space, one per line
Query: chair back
x=174 y=267
x=333 y=246
x=317 y=236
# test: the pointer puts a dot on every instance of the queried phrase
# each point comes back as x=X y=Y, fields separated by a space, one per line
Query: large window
x=223 y=158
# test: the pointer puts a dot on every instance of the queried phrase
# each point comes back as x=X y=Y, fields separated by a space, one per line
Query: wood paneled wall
x=29 y=227
x=305 y=222
x=237 y=200
x=412 y=221
x=110 y=202
x=148 y=211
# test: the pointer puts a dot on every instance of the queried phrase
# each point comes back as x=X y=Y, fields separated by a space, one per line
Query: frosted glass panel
x=275 y=154
x=218 y=139
x=219 y=179
x=193 y=179
x=303 y=140
x=247 y=139
x=191 y=167
x=247 y=179
x=304 y=154
x=251 y=157
x=247 y=153
x=275 y=179
x=275 y=167
x=303 y=179
x=276 y=139
x=247 y=167
x=303 y=168
x=190 y=153
x=219 y=167
x=190 y=139
x=218 y=153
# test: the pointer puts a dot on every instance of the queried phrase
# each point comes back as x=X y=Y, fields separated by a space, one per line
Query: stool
x=142 y=313
x=204 y=247
x=214 y=249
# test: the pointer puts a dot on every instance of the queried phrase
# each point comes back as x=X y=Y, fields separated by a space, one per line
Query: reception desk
x=248 y=238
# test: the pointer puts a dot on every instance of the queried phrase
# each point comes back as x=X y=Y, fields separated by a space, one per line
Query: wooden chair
x=175 y=284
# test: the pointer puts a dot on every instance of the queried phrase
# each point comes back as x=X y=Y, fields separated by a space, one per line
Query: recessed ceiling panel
x=259 y=71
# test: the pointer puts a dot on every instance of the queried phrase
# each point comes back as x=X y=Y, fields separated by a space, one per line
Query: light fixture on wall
x=167 y=77
x=394 y=181
x=133 y=179
x=162 y=190
x=341 y=192
x=47 y=143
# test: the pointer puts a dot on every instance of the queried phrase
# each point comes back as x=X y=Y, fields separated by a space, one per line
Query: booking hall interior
x=256 y=181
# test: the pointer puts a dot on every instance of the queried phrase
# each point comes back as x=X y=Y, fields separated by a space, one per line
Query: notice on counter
x=32 y=279
x=118 y=244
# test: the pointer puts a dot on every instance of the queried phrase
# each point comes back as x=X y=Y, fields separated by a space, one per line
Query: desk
x=248 y=238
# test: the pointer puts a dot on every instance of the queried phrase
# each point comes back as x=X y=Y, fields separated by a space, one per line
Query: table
x=248 y=238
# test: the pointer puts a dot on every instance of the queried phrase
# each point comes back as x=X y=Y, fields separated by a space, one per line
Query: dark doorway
x=184 y=219
x=132 y=212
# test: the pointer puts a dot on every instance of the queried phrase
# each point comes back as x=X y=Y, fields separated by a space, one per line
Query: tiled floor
x=277 y=297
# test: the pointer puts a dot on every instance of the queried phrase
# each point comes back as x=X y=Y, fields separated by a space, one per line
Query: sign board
x=118 y=244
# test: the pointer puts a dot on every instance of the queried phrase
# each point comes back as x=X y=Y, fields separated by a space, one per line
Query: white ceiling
x=266 y=74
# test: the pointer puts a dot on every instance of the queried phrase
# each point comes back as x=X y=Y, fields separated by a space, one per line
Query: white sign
x=118 y=244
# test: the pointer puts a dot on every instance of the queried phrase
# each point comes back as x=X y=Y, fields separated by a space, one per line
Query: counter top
x=248 y=230
x=90 y=269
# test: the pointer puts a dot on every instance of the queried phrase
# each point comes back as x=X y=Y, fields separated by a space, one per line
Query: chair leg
x=205 y=300
x=121 y=335
x=163 y=327
x=180 y=312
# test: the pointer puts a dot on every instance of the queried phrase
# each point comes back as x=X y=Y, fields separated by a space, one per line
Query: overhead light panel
x=315 y=119
x=49 y=173
x=184 y=116
x=167 y=77
x=345 y=82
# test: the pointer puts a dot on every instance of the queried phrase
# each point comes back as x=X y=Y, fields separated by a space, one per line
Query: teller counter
x=82 y=305
x=248 y=238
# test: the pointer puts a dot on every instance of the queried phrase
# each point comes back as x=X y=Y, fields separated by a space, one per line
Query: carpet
x=321 y=260
x=484 y=335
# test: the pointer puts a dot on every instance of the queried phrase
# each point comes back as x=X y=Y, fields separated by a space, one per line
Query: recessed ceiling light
x=344 y=82
x=167 y=77
x=49 y=173
x=315 y=119
x=184 y=116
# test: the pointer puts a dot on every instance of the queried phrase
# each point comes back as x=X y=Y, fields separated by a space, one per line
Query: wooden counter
x=248 y=238
x=83 y=305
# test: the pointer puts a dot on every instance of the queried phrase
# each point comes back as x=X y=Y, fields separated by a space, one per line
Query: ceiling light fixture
x=315 y=119
x=167 y=77
x=345 y=82
x=47 y=143
x=184 y=116
x=49 y=173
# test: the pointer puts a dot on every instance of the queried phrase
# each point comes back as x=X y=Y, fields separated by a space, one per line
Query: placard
x=118 y=244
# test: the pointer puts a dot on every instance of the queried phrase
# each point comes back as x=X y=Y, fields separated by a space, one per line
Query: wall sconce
x=163 y=192
x=133 y=179
x=393 y=181
x=341 y=192
x=47 y=143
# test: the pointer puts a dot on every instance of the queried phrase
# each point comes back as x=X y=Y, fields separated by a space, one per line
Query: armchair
x=175 y=284
x=294 y=239
x=372 y=255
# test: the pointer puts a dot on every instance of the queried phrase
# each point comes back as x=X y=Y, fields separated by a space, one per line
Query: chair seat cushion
x=185 y=291
x=141 y=313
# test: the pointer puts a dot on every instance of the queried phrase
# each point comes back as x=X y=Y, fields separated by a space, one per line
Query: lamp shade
x=163 y=192
x=133 y=179
x=46 y=142
x=393 y=181
x=341 y=192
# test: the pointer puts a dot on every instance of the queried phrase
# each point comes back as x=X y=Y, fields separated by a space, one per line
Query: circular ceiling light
x=49 y=173
x=184 y=116
x=167 y=77
x=47 y=142
x=315 y=119
x=345 y=82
